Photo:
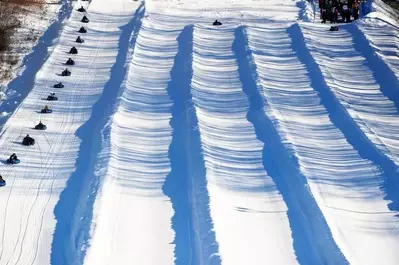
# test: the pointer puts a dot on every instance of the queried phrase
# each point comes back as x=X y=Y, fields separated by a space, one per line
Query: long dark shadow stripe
x=186 y=183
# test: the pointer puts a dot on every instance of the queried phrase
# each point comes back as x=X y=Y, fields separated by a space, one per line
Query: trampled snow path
x=249 y=215
x=34 y=186
x=346 y=187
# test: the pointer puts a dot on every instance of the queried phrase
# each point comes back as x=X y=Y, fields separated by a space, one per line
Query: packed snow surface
x=265 y=140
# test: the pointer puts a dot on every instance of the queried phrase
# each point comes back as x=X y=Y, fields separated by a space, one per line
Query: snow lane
x=250 y=217
x=355 y=89
x=345 y=186
x=34 y=186
x=370 y=128
x=132 y=216
x=78 y=198
x=313 y=241
x=24 y=239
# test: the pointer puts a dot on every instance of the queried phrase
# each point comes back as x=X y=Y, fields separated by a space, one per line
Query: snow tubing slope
x=261 y=141
x=284 y=164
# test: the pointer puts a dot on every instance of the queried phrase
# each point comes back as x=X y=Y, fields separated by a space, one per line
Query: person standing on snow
x=355 y=10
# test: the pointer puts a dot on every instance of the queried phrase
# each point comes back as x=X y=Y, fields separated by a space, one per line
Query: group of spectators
x=333 y=10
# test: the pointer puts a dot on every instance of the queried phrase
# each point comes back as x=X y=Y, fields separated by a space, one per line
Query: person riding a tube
x=13 y=157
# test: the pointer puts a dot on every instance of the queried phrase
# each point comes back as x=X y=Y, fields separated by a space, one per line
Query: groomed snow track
x=261 y=141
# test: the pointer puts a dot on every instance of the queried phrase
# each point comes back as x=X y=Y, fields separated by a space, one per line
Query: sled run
x=265 y=140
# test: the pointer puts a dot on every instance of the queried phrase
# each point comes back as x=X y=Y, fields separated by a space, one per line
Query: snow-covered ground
x=267 y=140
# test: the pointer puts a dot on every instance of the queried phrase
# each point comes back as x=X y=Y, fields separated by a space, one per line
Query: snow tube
x=79 y=40
x=2 y=183
x=70 y=62
x=52 y=98
x=13 y=162
x=334 y=28
x=82 y=30
x=46 y=111
x=73 y=50
x=85 y=19
x=28 y=141
x=81 y=9
x=40 y=126
x=66 y=73
x=217 y=23
x=59 y=85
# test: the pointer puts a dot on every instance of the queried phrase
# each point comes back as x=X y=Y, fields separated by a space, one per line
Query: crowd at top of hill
x=339 y=10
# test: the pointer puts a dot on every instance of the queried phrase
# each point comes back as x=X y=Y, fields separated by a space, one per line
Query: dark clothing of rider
x=13 y=157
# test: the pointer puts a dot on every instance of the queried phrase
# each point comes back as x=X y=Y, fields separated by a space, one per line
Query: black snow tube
x=334 y=28
x=46 y=111
x=66 y=72
x=82 y=30
x=70 y=62
x=40 y=126
x=28 y=141
x=59 y=85
x=73 y=50
x=85 y=19
x=79 y=40
x=52 y=98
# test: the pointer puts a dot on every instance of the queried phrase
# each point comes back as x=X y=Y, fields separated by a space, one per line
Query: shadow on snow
x=186 y=183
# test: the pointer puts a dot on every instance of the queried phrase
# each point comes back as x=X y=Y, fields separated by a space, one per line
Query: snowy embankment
x=29 y=231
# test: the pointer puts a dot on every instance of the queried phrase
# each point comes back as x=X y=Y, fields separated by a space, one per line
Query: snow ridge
x=249 y=215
